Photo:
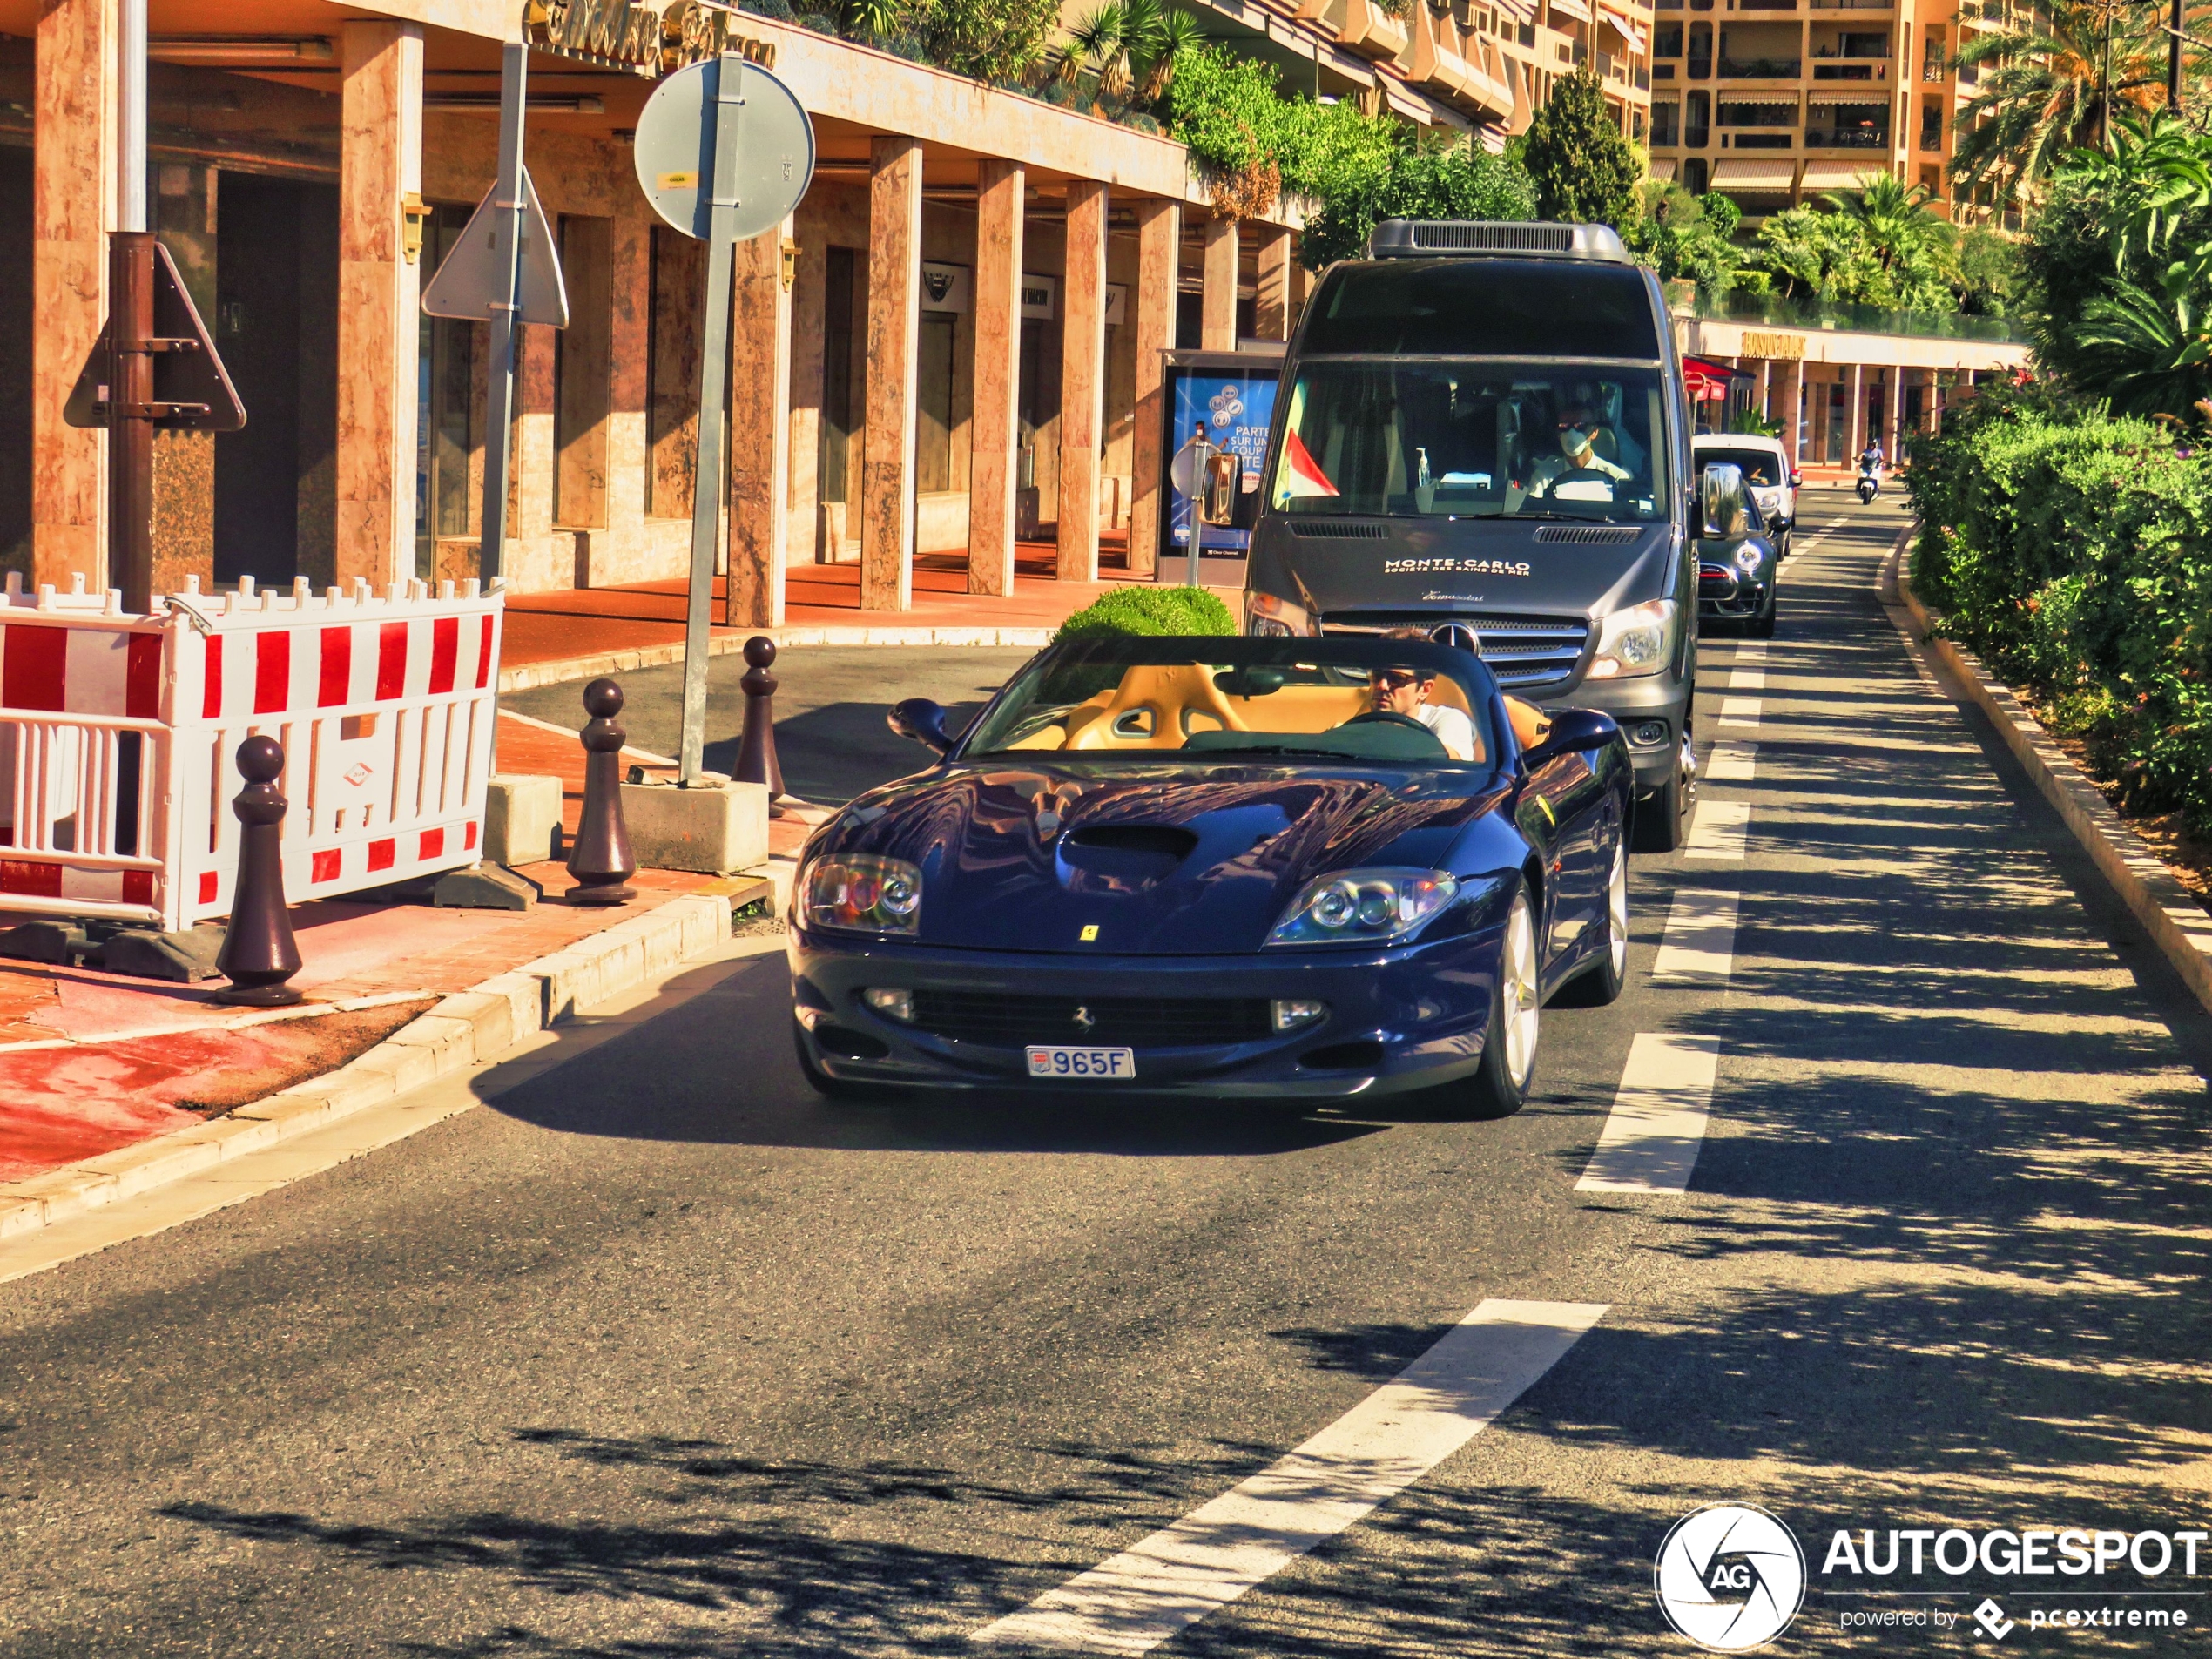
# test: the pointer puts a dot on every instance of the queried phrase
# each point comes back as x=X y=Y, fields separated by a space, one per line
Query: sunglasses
x=1393 y=680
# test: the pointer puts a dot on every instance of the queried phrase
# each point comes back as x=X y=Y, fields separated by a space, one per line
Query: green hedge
x=2073 y=550
x=1149 y=610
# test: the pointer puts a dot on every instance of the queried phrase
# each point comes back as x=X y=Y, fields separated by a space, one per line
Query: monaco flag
x=1302 y=475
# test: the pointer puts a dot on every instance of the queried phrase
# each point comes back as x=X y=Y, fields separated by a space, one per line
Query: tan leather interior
x=1530 y=723
x=1157 y=707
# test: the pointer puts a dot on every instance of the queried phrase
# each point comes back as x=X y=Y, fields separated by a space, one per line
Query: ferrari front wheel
x=1509 y=1042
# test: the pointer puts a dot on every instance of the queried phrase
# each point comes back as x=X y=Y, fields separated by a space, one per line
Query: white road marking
x=1747 y=677
x=1650 y=1140
x=1740 y=710
x=1700 y=944
x=1732 y=763
x=1819 y=536
x=1718 y=830
x=1149 y=1592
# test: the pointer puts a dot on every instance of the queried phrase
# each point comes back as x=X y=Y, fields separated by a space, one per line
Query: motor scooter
x=1870 y=485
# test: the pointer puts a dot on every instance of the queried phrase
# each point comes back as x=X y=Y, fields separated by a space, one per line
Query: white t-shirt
x=1453 y=730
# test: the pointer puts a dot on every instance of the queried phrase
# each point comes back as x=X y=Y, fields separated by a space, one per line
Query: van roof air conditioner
x=1405 y=238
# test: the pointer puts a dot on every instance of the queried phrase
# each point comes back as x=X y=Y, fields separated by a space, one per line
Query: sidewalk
x=91 y=1062
x=578 y=633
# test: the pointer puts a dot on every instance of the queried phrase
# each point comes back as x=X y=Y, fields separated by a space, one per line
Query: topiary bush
x=1147 y=610
x=2072 y=549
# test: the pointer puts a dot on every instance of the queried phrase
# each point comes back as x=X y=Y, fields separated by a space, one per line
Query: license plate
x=1082 y=1062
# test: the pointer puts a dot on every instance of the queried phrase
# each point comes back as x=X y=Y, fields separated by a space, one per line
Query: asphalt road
x=655 y=1354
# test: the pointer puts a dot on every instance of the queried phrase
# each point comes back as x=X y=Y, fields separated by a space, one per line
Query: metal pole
x=130 y=379
x=2175 y=24
x=499 y=375
x=728 y=100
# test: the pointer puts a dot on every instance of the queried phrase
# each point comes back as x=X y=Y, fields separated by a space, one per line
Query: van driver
x=1578 y=429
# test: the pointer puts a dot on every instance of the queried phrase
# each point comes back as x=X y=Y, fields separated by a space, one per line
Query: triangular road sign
x=472 y=283
x=191 y=387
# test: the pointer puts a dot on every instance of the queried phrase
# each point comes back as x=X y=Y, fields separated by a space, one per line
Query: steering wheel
x=1386 y=717
x=1582 y=476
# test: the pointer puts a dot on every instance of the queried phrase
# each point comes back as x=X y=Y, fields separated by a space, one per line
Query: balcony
x=1758 y=140
x=1853 y=5
x=1775 y=311
x=1359 y=25
x=1859 y=71
x=1846 y=139
x=1761 y=69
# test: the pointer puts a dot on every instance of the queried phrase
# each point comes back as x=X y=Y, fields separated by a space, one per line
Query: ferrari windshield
x=1220 y=699
x=1433 y=438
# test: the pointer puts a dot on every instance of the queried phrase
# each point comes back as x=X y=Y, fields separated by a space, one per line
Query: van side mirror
x=1724 y=508
x=1224 y=478
x=922 y=720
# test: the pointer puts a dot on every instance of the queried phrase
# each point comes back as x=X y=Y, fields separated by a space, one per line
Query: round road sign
x=674 y=148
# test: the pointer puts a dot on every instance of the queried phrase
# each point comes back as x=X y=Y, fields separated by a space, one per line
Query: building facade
x=952 y=347
x=1776 y=103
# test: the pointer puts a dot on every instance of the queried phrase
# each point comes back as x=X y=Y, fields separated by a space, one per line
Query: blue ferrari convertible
x=1297 y=869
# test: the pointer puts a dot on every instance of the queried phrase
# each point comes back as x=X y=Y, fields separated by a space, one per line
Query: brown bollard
x=757 y=762
x=601 y=860
x=258 y=953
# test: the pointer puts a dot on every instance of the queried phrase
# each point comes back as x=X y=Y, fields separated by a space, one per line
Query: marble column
x=1082 y=379
x=380 y=161
x=1271 y=309
x=73 y=192
x=1159 y=237
x=1217 y=311
x=994 y=424
x=759 y=515
x=1893 y=433
x=1855 y=417
x=894 y=321
x=809 y=341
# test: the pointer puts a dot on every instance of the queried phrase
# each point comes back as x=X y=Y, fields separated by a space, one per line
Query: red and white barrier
x=118 y=736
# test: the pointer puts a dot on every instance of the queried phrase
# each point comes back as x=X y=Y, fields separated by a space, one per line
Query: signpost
x=723 y=152
x=504 y=270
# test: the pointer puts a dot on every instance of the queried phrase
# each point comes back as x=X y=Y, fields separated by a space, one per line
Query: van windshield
x=1475 y=440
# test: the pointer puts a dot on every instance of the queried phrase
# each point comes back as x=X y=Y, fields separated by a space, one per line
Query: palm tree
x=1099 y=42
x=1906 y=237
x=1179 y=32
x=2049 y=85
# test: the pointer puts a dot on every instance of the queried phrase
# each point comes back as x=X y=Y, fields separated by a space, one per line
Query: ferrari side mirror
x=1572 y=731
x=922 y=720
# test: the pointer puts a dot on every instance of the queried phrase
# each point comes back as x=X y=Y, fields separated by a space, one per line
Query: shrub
x=1146 y=609
x=2072 y=550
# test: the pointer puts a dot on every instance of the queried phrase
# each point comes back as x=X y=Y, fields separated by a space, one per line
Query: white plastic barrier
x=118 y=738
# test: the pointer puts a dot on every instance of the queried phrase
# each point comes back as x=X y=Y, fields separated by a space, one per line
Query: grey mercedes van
x=1481 y=431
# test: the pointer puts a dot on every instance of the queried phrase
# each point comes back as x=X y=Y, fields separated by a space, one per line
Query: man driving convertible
x=1405 y=692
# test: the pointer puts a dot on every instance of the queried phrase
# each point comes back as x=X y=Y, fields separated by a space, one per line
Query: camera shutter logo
x=1730 y=1577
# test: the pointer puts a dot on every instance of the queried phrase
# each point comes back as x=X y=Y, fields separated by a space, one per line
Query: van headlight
x=1639 y=640
x=1269 y=618
x=861 y=893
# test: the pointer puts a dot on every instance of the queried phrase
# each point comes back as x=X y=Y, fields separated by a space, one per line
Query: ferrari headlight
x=1636 y=641
x=864 y=892
x=1365 y=906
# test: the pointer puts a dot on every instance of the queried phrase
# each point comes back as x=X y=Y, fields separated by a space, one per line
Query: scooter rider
x=1870 y=471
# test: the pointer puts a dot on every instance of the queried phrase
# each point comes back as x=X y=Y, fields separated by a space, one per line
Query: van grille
x=1607 y=534
x=1523 y=653
x=1477 y=237
x=1342 y=532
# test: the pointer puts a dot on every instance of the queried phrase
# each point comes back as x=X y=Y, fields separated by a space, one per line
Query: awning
x=1628 y=28
x=1573 y=8
x=1524 y=10
x=1736 y=174
x=1840 y=175
x=1662 y=166
x=1707 y=380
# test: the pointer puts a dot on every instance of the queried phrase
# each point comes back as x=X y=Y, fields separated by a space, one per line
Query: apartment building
x=1777 y=102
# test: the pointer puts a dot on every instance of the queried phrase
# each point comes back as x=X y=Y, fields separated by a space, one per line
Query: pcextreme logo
x=1730 y=1577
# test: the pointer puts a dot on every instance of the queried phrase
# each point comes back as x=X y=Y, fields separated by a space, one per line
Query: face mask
x=1574 y=440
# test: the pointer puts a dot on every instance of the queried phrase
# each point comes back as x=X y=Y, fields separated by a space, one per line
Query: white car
x=1767 y=474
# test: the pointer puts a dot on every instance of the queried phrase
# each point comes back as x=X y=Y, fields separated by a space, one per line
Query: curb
x=2169 y=913
x=465 y=1029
